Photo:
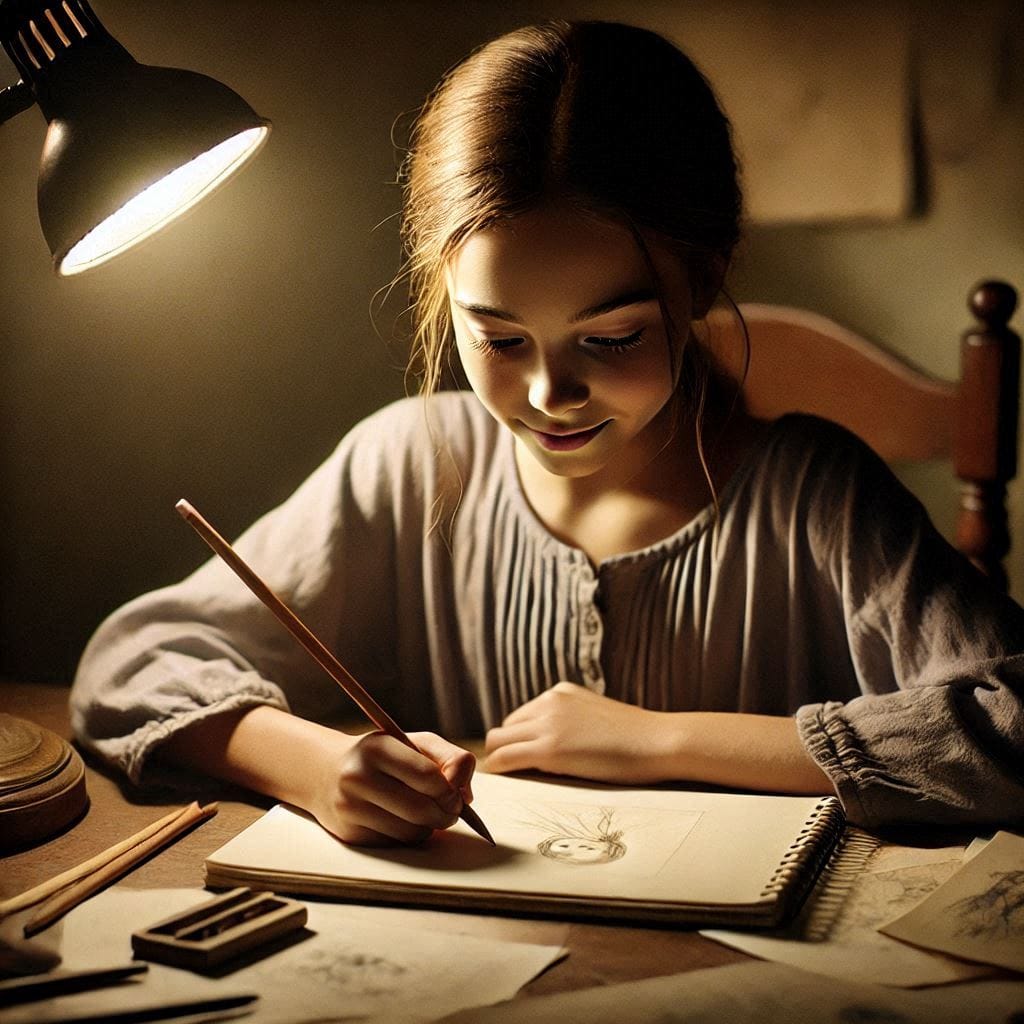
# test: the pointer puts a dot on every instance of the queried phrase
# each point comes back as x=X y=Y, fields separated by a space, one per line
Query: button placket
x=591 y=633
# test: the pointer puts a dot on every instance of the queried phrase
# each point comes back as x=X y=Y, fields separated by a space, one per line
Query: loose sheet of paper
x=894 y=880
x=345 y=965
x=818 y=95
x=760 y=993
x=978 y=912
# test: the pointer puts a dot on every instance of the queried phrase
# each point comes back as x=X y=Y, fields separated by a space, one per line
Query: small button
x=591 y=623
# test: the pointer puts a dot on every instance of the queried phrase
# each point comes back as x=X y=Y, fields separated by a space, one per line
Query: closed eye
x=492 y=346
x=618 y=344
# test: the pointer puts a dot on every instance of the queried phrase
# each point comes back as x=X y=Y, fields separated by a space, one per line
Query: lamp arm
x=14 y=99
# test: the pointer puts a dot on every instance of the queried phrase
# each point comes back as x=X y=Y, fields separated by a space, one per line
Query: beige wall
x=222 y=361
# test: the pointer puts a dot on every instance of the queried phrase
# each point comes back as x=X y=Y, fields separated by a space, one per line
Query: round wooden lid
x=42 y=783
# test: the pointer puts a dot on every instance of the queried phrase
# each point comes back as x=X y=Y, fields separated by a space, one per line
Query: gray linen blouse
x=822 y=590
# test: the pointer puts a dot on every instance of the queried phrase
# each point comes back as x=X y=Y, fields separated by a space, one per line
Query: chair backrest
x=802 y=362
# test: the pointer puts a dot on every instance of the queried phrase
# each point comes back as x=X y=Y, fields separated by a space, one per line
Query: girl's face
x=561 y=336
x=574 y=850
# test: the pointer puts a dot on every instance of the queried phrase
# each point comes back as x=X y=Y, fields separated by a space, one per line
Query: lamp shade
x=129 y=146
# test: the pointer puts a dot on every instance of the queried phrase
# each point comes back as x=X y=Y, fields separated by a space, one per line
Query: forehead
x=550 y=256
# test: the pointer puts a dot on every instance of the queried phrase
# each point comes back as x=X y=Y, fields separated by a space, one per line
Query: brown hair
x=612 y=118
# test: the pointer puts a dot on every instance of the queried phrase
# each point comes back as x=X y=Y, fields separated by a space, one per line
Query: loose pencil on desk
x=69 y=898
x=40 y=892
x=327 y=661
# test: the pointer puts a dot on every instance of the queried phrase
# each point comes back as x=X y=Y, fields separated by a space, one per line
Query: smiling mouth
x=567 y=442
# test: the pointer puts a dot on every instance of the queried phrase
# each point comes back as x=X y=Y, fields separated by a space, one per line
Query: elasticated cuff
x=830 y=742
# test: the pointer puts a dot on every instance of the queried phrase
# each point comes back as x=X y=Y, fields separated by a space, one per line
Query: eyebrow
x=630 y=298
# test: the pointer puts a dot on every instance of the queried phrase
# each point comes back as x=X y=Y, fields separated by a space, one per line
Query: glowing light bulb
x=161 y=202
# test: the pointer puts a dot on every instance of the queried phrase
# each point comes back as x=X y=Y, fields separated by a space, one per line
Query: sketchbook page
x=978 y=912
x=348 y=963
x=760 y=993
x=893 y=880
x=556 y=840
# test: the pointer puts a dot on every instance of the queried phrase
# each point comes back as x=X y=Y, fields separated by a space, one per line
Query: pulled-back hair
x=609 y=117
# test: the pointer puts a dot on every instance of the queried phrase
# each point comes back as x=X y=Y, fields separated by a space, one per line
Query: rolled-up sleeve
x=206 y=645
x=938 y=734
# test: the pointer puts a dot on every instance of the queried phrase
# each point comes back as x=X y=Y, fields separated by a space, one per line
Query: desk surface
x=599 y=953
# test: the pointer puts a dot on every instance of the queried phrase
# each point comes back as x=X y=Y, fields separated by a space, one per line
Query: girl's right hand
x=380 y=791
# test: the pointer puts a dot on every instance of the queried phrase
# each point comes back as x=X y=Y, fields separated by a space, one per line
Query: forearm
x=368 y=788
x=569 y=730
x=262 y=748
x=743 y=751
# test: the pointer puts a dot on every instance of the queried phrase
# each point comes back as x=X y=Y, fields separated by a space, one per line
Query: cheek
x=488 y=376
x=646 y=378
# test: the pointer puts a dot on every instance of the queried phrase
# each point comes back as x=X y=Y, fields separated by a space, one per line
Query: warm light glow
x=164 y=200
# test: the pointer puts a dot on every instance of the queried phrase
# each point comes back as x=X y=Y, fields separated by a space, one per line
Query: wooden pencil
x=327 y=661
x=38 y=893
x=219 y=1005
x=70 y=897
x=26 y=990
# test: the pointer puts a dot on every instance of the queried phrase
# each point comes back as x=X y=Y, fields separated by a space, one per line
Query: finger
x=504 y=734
x=516 y=757
x=368 y=824
x=543 y=703
x=414 y=766
x=397 y=799
x=524 y=713
x=404 y=782
x=457 y=764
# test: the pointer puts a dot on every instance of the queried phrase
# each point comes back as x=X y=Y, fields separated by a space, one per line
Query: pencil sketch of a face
x=581 y=839
x=632 y=842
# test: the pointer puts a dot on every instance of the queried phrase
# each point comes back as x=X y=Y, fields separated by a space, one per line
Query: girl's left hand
x=569 y=730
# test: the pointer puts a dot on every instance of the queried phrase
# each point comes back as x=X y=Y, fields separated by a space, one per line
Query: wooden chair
x=802 y=362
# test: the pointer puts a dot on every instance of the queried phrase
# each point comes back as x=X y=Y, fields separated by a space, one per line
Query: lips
x=567 y=442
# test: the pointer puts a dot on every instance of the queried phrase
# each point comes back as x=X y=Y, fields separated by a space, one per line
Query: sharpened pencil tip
x=472 y=819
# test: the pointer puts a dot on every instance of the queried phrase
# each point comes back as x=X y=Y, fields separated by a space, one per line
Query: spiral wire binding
x=840 y=874
x=813 y=844
x=807 y=855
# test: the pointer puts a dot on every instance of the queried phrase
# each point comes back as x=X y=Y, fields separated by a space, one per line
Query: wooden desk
x=599 y=953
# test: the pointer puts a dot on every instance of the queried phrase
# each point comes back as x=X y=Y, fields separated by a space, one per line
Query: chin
x=570 y=465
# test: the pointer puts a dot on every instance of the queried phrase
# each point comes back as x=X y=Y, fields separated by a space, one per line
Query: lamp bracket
x=14 y=99
x=44 y=37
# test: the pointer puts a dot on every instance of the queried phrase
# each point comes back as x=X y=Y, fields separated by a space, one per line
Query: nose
x=554 y=389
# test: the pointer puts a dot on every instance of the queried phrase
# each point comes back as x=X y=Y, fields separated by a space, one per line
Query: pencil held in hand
x=327 y=661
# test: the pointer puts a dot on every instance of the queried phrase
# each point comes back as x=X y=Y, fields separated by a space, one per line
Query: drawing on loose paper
x=881 y=895
x=351 y=971
x=639 y=841
x=994 y=913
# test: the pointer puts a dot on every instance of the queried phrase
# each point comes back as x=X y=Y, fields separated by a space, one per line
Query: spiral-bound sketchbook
x=567 y=849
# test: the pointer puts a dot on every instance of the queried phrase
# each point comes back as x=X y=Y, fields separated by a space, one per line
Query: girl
x=594 y=554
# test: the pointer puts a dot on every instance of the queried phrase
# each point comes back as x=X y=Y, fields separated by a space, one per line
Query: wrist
x=743 y=751
x=265 y=749
x=313 y=764
x=677 y=751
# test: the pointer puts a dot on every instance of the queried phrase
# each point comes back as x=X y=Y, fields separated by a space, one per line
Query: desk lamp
x=129 y=147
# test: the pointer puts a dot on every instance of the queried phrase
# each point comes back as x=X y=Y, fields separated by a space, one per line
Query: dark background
x=223 y=360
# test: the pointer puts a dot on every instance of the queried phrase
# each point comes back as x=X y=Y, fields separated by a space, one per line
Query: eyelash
x=494 y=346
